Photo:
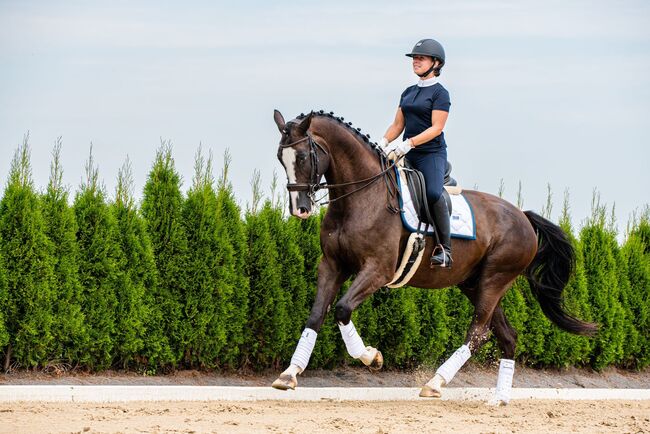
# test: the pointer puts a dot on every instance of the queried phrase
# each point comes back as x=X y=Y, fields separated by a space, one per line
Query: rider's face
x=421 y=64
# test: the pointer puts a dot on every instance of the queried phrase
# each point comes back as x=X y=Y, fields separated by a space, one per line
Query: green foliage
x=602 y=281
x=99 y=258
x=136 y=273
x=208 y=299
x=4 y=333
x=234 y=259
x=433 y=324
x=161 y=208
x=285 y=234
x=459 y=310
x=69 y=330
x=28 y=261
x=636 y=255
x=565 y=349
x=268 y=310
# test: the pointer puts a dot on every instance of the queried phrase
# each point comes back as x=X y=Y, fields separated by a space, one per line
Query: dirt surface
x=320 y=417
x=470 y=376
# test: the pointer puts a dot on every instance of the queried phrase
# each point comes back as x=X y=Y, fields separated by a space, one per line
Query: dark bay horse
x=362 y=236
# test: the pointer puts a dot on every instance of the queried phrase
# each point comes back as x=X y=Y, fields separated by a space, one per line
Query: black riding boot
x=441 y=255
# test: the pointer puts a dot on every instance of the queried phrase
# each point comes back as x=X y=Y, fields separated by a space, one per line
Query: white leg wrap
x=454 y=363
x=304 y=349
x=504 y=382
x=352 y=340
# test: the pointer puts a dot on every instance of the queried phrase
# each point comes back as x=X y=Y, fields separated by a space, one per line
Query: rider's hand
x=399 y=149
x=383 y=142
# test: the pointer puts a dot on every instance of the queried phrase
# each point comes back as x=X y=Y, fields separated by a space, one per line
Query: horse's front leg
x=330 y=279
x=365 y=284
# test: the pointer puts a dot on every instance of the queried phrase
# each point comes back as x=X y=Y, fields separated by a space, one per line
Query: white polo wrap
x=504 y=381
x=454 y=363
x=352 y=340
x=304 y=349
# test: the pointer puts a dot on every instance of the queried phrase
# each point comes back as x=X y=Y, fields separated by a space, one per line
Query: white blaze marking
x=289 y=162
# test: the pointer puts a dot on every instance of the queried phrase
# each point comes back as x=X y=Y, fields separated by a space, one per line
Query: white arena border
x=116 y=393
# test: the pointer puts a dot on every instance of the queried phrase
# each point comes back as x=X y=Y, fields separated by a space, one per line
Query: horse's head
x=299 y=154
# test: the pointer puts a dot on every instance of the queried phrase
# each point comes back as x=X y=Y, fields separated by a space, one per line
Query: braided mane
x=348 y=125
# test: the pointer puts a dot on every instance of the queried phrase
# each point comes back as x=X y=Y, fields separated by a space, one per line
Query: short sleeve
x=441 y=101
x=401 y=98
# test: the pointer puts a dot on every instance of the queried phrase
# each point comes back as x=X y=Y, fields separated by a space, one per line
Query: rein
x=313 y=186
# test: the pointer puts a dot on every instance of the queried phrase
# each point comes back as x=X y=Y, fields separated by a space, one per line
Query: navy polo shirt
x=417 y=103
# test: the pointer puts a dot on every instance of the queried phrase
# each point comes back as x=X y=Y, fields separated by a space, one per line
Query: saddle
x=417 y=188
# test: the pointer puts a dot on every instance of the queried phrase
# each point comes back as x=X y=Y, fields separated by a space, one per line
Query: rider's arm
x=396 y=127
x=438 y=120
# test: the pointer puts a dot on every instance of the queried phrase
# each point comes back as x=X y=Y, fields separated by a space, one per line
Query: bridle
x=314 y=185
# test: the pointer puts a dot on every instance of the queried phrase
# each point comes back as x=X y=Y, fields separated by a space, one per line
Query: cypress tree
x=459 y=310
x=433 y=323
x=268 y=316
x=161 y=208
x=29 y=267
x=636 y=254
x=602 y=281
x=626 y=299
x=232 y=231
x=564 y=349
x=397 y=325
x=137 y=272
x=69 y=328
x=4 y=334
x=98 y=266
x=292 y=270
x=209 y=293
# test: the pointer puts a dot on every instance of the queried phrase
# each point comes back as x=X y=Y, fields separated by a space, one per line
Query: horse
x=362 y=236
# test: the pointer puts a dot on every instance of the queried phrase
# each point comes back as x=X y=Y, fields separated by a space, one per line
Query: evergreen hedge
x=188 y=280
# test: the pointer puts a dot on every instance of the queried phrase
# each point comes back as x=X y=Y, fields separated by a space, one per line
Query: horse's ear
x=279 y=120
x=303 y=126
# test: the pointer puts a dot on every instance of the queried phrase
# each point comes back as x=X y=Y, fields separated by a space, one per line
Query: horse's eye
x=302 y=157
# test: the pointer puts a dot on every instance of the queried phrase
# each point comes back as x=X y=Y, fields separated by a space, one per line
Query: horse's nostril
x=302 y=210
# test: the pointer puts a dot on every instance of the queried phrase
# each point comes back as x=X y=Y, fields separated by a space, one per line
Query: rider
x=422 y=113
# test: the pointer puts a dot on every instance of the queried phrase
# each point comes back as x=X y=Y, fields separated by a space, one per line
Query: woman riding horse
x=422 y=114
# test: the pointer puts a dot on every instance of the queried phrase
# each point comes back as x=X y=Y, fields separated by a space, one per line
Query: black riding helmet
x=431 y=48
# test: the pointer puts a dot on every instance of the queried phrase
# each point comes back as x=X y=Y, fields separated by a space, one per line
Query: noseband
x=313 y=185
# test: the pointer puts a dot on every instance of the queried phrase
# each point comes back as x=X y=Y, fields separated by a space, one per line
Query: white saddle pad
x=461 y=219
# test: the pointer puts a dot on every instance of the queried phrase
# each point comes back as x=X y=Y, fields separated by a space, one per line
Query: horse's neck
x=350 y=159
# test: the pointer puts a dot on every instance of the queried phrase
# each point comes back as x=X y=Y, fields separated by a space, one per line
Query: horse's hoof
x=285 y=382
x=377 y=362
x=429 y=392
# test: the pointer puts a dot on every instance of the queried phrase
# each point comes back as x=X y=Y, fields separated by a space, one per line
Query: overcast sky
x=542 y=91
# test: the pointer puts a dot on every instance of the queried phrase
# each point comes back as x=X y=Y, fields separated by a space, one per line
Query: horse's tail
x=549 y=273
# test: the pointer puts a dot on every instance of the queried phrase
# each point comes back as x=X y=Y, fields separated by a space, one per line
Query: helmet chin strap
x=428 y=71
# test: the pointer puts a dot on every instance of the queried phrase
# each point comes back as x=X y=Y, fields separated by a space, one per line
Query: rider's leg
x=432 y=165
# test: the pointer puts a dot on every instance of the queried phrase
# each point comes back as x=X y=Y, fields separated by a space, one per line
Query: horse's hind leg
x=330 y=279
x=485 y=298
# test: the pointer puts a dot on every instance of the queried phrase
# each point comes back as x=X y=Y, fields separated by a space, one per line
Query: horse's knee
x=342 y=313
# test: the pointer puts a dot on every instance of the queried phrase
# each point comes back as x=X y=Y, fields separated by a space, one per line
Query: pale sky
x=542 y=92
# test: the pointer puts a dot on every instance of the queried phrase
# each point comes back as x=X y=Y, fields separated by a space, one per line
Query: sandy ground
x=329 y=416
x=323 y=417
